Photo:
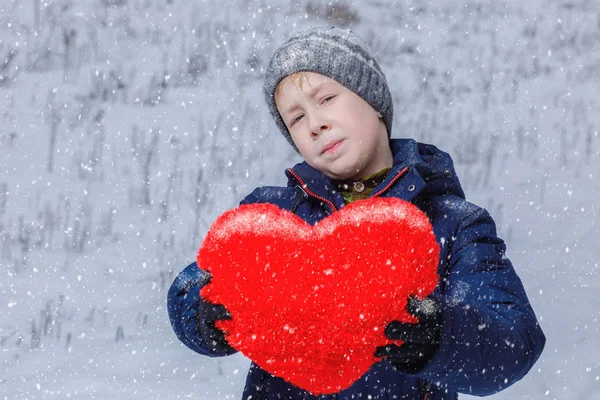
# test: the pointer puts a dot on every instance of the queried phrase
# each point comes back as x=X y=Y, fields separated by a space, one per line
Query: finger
x=204 y=278
x=405 y=354
x=222 y=312
x=212 y=334
x=386 y=351
x=398 y=330
x=217 y=311
x=411 y=333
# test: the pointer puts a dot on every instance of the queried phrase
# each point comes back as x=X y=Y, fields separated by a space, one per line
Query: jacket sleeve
x=183 y=301
x=490 y=335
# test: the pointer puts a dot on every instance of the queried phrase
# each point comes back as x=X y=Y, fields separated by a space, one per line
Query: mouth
x=331 y=147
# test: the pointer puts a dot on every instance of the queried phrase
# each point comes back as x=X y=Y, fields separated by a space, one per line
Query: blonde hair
x=297 y=79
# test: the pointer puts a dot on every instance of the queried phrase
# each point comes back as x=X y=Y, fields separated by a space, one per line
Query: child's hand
x=192 y=318
x=420 y=340
x=206 y=316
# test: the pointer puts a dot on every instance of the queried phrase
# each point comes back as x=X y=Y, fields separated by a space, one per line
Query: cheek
x=359 y=113
x=303 y=145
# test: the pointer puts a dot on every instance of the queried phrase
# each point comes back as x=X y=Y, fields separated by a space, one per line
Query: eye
x=298 y=118
x=327 y=99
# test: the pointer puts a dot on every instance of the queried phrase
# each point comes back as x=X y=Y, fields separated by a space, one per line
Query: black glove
x=421 y=340
x=204 y=316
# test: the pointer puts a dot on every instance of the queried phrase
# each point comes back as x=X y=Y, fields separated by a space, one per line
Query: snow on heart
x=310 y=303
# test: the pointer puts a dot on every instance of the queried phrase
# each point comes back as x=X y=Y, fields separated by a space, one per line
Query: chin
x=343 y=174
x=339 y=170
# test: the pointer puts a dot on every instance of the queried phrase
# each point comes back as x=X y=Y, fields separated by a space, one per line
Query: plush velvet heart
x=310 y=303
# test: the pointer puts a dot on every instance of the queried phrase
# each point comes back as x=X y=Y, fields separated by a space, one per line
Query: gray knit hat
x=334 y=52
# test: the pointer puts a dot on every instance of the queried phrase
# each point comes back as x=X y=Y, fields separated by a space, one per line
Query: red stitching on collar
x=329 y=203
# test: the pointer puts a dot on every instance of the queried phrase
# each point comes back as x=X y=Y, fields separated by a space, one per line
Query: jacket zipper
x=306 y=191
x=300 y=193
x=303 y=191
x=305 y=188
x=426 y=387
x=265 y=386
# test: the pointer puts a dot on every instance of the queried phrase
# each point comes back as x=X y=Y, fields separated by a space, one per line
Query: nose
x=318 y=126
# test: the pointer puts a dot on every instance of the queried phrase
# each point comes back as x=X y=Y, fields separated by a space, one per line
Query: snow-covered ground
x=127 y=126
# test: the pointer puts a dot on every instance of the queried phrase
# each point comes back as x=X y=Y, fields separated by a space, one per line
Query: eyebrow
x=311 y=93
x=316 y=88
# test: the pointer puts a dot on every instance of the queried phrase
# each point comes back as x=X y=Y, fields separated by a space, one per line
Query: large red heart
x=310 y=303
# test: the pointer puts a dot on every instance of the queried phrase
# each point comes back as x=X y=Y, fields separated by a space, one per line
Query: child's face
x=336 y=131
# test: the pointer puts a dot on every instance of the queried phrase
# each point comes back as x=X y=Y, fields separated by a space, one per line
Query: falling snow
x=127 y=127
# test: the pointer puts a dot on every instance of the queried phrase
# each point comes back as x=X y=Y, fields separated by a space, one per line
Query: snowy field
x=128 y=126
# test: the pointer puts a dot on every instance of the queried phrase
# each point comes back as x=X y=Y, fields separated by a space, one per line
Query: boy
x=477 y=333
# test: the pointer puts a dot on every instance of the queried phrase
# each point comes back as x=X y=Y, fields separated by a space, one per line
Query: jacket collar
x=416 y=167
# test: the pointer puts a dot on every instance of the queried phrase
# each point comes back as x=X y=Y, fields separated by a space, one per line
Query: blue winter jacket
x=490 y=335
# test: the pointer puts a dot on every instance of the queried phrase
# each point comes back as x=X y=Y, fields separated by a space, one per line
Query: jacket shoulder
x=278 y=195
x=453 y=207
